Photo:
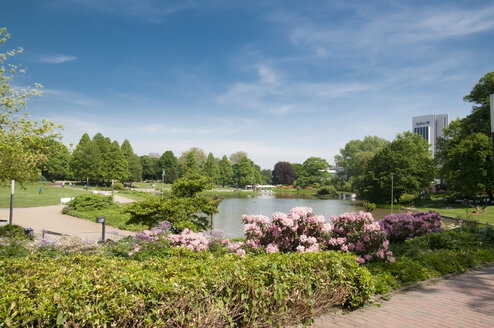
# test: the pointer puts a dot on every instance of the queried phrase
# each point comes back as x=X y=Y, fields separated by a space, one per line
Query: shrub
x=327 y=190
x=186 y=290
x=402 y=226
x=118 y=186
x=90 y=201
x=14 y=231
x=300 y=231
x=359 y=233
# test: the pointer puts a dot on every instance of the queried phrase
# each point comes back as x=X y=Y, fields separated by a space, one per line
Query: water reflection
x=229 y=218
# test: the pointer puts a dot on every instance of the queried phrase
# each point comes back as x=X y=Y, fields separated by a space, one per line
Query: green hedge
x=188 y=289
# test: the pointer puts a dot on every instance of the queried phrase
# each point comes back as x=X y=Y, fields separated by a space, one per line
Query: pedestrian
x=70 y=185
x=40 y=190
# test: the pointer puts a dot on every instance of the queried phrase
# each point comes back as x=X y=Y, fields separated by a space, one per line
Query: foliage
x=24 y=144
x=314 y=173
x=184 y=208
x=237 y=156
x=185 y=290
x=243 y=172
x=90 y=201
x=356 y=155
x=402 y=226
x=327 y=191
x=360 y=234
x=13 y=231
x=369 y=207
x=169 y=163
x=86 y=160
x=211 y=168
x=191 y=160
x=56 y=165
x=225 y=172
x=408 y=159
x=283 y=173
x=465 y=150
x=266 y=176
x=150 y=168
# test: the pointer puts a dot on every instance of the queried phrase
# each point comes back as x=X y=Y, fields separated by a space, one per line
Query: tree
x=56 y=165
x=116 y=163
x=211 y=169
x=86 y=160
x=199 y=157
x=150 y=168
x=169 y=163
x=356 y=155
x=104 y=146
x=190 y=165
x=24 y=144
x=184 y=208
x=236 y=157
x=283 y=173
x=315 y=172
x=133 y=161
x=266 y=175
x=243 y=172
x=225 y=172
x=408 y=159
x=464 y=149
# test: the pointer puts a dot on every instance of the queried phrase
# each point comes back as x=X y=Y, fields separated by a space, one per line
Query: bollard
x=102 y=220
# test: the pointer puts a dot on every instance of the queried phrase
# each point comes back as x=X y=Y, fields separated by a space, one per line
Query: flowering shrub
x=300 y=231
x=399 y=227
x=360 y=234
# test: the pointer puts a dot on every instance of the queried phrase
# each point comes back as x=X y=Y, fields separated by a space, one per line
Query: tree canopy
x=283 y=173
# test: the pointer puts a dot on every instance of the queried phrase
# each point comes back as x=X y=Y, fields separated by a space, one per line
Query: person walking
x=40 y=190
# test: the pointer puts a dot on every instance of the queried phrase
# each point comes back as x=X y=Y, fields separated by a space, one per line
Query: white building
x=430 y=127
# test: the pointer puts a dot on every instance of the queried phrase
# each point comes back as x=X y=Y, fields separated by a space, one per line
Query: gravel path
x=51 y=218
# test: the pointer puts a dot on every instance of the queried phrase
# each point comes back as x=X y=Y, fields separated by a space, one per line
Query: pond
x=229 y=218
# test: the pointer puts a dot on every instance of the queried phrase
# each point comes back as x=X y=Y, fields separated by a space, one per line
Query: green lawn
x=114 y=217
x=135 y=195
x=30 y=197
x=465 y=213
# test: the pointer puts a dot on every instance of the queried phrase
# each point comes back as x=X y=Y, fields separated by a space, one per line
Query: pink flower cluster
x=403 y=226
x=299 y=231
x=192 y=240
x=360 y=234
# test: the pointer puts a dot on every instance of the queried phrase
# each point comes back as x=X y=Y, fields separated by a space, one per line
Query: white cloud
x=71 y=97
x=55 y=58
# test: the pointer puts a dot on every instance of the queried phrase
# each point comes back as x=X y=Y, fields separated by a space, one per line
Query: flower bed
x=403 y=226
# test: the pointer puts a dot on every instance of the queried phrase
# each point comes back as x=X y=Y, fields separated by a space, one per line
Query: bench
x=64 y=201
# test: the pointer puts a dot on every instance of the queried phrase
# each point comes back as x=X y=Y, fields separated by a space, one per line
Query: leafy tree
x=116 y=163
x=243 y=172
x=169 y=163
x=56 y=165
x=211 y=169
x=133 y=161
x=408 y=159
x=298 y=169
x=184 y=208
x=190 y=165
x=24 y=144
x=236 y=157
x=225 y=171
x=199 y=157
x=266 y=175
x=150 y=168
x=464 y=149
x=356 y=155
x=315 y=172
x=283 y=173
x=104 y=146
x=86 y=160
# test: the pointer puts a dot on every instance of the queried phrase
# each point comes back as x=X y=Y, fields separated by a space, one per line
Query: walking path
x=51 y=218
x=465 y=300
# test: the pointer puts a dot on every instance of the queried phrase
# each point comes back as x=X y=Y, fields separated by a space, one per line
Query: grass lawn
x=135 y=195
x=30 y=197
x=465 y=213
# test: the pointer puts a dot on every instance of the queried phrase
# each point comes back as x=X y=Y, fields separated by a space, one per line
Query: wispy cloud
x=71 y=97
x=55 y=58
x=150 y=10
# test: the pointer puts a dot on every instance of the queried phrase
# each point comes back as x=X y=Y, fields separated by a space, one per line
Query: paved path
x=465 y=300
x=51 y=218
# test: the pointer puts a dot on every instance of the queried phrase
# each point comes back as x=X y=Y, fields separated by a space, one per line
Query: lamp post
x=112 y=186
x=11 y=202
x=162 y=181
x=392 y=182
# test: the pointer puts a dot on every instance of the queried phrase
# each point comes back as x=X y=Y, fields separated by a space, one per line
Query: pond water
x=229 y=218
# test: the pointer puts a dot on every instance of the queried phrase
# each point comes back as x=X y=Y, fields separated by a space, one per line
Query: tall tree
x=116 y=163
x=190 y=165
x=283 y=173
x=211 y=169
x=408 y=159
x=150 y=168
x=266 y=176
x=225 y=172
x=133 y=161
x=315 y=173
x=237 y=156
x=199 y=157
x=24 y=144
x=56 y=165
x=104 y=147
x=86 y=160
x=243 y=172
x=169 y=163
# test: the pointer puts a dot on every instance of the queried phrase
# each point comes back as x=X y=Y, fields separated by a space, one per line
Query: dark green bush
x=187 y=289
x=90 y=201
x=13 y=231
x=118 y=186
x=327 y=191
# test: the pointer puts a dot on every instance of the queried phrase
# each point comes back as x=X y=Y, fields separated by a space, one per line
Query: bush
x=327 y=190
x=90 y=201
x=118 y=186
x=300 y=231
x=402 y=226
x=14 y=231
x=186 y=290
x=359 y=233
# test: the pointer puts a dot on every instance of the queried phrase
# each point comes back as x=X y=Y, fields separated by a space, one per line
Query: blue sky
x=281 y=80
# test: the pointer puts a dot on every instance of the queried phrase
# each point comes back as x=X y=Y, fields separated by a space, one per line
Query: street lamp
x=392 y=182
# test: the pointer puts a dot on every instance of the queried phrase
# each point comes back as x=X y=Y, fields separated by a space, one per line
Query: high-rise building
x=430 y=127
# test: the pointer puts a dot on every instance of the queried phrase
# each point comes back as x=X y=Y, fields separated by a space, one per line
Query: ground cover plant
x=187 y=278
